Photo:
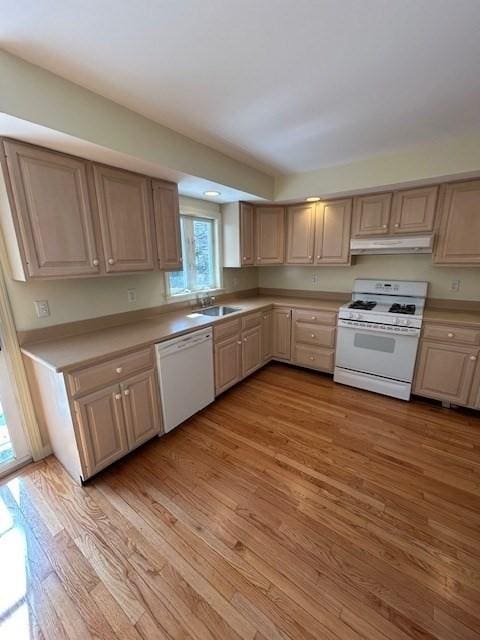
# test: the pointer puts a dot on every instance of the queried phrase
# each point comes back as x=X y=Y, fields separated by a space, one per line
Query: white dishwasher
x=185 y=371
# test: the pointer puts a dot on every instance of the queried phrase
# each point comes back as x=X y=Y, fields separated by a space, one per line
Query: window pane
x=204 y=263
x=177 y=282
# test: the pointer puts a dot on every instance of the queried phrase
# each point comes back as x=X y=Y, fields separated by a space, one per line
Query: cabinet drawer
x=227 y=329
x=312 y=316
x=99 y=375
x=318 y=335
x=252 y=320
x=451 y=334
x=316 y=358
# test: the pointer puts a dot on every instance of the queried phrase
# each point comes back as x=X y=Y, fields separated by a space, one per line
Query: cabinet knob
x=396 y=225
x=244 y=257
x=312 y=335
x=258 y=258
x=118 y=396
x=314 y=317
x=95 y=262
x=127 y=392
x=119 y=369
x=311 y=357
x=384 y=226
x=450 y=335
x=309 y=257
x=111 y=261
x=318 y=257
x=239 y=342
x=245 y=339
x=473 y=358
x=181 y=260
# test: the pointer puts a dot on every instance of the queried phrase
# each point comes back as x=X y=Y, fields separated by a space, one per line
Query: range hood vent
x=391 y=245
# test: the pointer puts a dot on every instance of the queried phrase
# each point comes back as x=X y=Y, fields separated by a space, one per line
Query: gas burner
x=365 y=305
x=408 y=309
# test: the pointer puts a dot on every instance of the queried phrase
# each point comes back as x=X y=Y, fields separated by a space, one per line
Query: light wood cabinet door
x=251 y=350
x=282 y=330
x=458 y=239
x=445 y=372
x=267 y=335
x=332 y=232
x=167 y=224
x=371 y=215
x=475 y=394
x=51 y=200
x=125 y=209
x=247 y=234
x=300 y=234
x=270 y=235
x=141 y=405
x=102 y=428
x=413 y=211
x=228 y=363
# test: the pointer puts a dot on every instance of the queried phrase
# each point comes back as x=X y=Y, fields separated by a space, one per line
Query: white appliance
x=388 y=246
x=377 y=336
x=185 y=372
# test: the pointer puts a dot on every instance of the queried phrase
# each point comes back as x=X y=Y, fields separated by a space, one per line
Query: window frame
x=192 y=212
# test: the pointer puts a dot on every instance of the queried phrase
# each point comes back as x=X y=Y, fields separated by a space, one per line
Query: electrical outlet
x=314 y=278
x=132 y=295
x=455 y=285
x=41 y=308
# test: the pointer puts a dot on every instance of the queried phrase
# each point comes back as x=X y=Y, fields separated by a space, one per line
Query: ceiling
x=286 y=86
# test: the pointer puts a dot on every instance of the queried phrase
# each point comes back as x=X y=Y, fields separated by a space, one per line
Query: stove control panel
x=376 y=326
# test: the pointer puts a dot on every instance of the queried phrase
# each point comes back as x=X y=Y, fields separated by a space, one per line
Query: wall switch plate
x=455 y=285
x=41 y=308
x=132 y=295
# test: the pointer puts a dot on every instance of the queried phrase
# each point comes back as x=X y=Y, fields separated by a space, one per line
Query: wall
x=405 y=267
x=79 y=299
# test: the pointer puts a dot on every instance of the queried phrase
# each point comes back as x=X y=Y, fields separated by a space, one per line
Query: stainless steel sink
x=218 y=311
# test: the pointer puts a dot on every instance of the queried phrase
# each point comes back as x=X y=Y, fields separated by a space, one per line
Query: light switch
x=41 y=308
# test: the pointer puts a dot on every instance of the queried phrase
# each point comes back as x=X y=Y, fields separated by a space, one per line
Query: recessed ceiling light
x=213 y=194
x=312 y=199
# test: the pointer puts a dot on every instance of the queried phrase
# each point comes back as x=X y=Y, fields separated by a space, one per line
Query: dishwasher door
x=185 y=372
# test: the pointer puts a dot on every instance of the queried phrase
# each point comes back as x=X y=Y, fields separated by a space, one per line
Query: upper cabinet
x=65 y=217
x=270 y=235
x=458 y=241
x=332 y=232
x=125 y=209
x=167 y=224
x=371 y=215
x=48 y=228
x=300 y=234
x=413 y=211
x=238 y=225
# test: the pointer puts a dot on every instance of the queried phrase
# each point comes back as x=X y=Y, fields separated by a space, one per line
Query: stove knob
x=405 y=321
x=357 y=316
x=351 y=315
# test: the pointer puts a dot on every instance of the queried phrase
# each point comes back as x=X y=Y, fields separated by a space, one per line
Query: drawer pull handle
x=473 y=358
x=119 y=369
x=118 y=396
x=451 y=335
x=127 y=392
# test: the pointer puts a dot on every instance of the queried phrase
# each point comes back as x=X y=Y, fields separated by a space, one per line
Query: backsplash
x=403 y=267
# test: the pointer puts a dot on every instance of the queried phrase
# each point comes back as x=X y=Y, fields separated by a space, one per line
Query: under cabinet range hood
x=391 y=245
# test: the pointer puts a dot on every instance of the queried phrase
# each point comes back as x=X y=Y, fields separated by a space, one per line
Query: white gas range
x=377 y=336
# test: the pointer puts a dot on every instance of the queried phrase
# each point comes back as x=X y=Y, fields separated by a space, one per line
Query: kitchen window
x=200 y=250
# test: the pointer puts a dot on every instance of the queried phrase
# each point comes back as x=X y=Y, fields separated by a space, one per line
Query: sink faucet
x=205 y=301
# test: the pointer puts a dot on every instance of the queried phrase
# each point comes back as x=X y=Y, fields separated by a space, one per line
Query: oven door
x=376 y=352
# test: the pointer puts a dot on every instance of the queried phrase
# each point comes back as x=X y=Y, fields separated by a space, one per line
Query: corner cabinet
x=49 y=225
x=167 y=224
x=458 y=241
x=270 y=235
x=65 y=217
x=125 y=210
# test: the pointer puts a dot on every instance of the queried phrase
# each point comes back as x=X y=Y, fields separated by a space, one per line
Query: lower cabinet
x=238 y=350
x=282 y=328
x=101 y=423
x=446 y=372
x=114 y=420
x=267 y=335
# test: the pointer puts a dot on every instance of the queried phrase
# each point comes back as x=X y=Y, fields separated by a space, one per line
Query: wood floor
x=291 y=508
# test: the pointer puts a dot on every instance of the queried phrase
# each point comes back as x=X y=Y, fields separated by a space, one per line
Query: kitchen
x=249 y=403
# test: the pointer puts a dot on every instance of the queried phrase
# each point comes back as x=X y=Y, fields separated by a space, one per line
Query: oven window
x=374 y=343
